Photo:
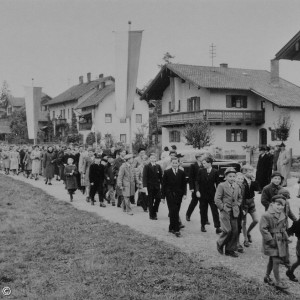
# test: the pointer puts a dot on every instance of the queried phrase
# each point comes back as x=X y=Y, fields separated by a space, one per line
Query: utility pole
x=212 y=53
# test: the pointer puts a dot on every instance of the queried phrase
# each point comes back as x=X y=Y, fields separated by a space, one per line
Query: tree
x=283 y=126
x=73 y=128
x=154 y=128
x=4 y=94
x=199 y=135
x=18 y=126
x=167 y=59
x=141 y=139
x=90 y=139
x=72 y=135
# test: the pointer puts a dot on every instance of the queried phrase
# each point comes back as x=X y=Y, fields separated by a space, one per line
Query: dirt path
x=251 y=264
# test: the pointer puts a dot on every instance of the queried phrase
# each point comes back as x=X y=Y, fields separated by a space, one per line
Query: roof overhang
x=291 y=50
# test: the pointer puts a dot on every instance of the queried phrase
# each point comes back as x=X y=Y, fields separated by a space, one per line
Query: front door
x=262 y=137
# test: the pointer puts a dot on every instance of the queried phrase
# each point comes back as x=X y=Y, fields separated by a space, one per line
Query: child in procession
x=240 y=182
x=70 y=172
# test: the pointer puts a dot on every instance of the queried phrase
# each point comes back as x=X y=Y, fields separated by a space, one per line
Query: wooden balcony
x=235 y=116
x=85 y=126
x=61 y=121
x=180 y=118
x=213 y=116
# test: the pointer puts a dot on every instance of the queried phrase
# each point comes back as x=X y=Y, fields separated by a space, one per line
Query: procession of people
x=119 y=178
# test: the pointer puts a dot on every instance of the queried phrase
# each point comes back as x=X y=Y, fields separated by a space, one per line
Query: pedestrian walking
x=70 y=176
x=49 y=160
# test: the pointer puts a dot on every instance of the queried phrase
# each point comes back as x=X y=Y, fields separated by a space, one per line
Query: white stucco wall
x=115 y=128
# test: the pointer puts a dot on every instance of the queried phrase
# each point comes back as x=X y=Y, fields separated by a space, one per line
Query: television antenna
x=212 y=53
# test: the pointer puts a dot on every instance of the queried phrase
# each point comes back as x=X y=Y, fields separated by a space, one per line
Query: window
x=179 y=105
x=53 y=114
x=68 y=113
x=193 y=104
x=63 y=113
x=274 y=136
x=170 y=107
x=9 y=110
x=123 y=120
x=236 y=135
x=236 y=101
x=138 y=118
x=123 y=138
x=108 y=118
x=174 y=136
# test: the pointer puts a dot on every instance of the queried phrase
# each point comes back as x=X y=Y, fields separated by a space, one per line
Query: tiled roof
x=97 y=97
x=285 y=94
x=77 y=91
x=17 y=101
x=291 y=49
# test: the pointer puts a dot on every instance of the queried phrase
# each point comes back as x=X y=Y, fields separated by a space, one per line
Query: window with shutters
x=123 y=138
x=193 y=104
x=274 y=136
x=236 y=101
x=236 y=135
x=108 y=118
x=174 y=136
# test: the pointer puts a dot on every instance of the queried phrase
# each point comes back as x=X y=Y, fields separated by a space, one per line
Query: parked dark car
x=220 y=164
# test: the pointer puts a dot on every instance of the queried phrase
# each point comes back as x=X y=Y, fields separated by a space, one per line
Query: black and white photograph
x=150 y=149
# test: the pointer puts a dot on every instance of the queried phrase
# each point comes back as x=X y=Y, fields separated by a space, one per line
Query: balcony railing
x=246 y=116
x=61 y=121
x=180 y=118
x=85 y=126
x=224 y=116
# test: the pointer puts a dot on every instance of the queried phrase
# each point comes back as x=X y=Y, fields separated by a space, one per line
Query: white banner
x=33 y=97
x=127 y=53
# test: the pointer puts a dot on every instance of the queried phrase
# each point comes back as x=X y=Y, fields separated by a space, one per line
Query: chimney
x=80 y=79
x=101 y=76
x=223 y=65
x=88 y=75
x=275 y=72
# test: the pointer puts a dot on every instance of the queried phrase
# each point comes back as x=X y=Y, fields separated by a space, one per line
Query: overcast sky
x=55 y=42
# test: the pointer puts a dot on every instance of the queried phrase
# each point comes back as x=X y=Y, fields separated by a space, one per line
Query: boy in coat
x=228 y=199
x=271 y=189
x=174 y=189
x=273 y=225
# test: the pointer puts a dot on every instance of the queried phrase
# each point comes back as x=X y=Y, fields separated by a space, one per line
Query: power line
x=212 y=53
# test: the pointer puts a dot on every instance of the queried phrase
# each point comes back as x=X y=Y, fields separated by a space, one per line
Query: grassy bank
x=50 y=250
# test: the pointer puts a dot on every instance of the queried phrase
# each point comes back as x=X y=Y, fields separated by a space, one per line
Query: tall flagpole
x=129 y=119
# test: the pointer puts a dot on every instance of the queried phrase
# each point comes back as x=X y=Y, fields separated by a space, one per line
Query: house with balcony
x=98 y=114
x=61 y=107
x=241 y=105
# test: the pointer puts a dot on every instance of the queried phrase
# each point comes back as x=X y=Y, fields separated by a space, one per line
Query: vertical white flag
x=128 y=45
x=33 y=97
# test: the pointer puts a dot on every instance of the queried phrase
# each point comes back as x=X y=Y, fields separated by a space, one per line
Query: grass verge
x=50 y=250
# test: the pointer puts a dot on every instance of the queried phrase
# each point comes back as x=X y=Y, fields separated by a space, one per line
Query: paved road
x=200 y=245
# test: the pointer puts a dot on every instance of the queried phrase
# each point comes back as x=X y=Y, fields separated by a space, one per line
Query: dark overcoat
x=49 y=159
x=264 y=168
x=268 y=192
x=71 y=180
x=206 y=183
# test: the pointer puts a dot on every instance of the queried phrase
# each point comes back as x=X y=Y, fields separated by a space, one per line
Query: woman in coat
x=14 y=158
x=27 y=161
x=70 y=175
x=6 y=161
x=283 y=164
x=142 y=198
x=48 y=164
x=36 y=161
x=87 y=161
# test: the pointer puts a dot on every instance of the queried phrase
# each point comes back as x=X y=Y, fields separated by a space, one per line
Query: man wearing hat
x=228 y=199
x=152 y=180
x=96 y=177
x=126 y=183
x=271 y=189
x=263 y=168
x=283 y=164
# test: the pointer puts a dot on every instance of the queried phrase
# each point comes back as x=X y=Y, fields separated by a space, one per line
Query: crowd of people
x=121 y=179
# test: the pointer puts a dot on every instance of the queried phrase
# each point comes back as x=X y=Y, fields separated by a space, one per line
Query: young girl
x=273 y=227
x=70 y=174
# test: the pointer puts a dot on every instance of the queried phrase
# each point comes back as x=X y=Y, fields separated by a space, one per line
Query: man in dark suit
x=194 y=168
x=206 y=183
x=174 y=189
x=263 y=169
x=152 y=180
